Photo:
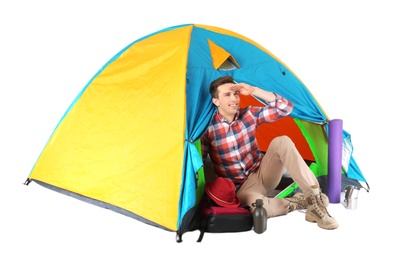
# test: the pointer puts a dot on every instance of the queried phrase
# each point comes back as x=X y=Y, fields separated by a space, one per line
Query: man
x=231 y=144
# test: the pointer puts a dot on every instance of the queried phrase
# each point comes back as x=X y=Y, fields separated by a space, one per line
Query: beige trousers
x=281 y=154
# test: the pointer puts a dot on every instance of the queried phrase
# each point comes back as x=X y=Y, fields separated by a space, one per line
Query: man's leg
x=253 y=189
x=283 y=153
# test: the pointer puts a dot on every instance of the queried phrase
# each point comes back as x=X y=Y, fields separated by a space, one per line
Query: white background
x=344 y=51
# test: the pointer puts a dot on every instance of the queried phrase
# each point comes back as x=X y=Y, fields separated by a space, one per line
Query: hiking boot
x=298 y=202
x=317 y=211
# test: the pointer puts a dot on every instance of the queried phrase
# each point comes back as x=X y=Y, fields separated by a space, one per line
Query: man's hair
x=213 y=89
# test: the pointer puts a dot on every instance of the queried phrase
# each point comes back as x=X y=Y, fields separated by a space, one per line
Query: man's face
x=228 y=99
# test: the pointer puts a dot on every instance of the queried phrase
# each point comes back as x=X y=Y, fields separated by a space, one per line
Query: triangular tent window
x=222 y=60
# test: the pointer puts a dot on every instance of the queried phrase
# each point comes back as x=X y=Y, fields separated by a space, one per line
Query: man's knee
x=282 y=140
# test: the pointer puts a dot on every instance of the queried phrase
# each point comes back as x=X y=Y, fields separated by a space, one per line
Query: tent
x=129 y=142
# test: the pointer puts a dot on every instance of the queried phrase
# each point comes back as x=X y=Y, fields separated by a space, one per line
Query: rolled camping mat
x=335 y=131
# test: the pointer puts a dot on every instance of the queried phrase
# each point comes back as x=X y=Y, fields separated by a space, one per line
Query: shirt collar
x=222 y=119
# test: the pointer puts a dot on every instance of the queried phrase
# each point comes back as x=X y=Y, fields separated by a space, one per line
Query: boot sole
x=313 y=219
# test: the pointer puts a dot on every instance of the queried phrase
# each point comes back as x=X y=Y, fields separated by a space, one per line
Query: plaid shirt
x=232 y=147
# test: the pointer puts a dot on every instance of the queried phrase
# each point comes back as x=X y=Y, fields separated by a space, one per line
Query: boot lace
x=321 y=207
x=297 y=202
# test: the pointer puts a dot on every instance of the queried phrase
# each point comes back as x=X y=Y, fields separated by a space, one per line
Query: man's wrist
x=275 y=96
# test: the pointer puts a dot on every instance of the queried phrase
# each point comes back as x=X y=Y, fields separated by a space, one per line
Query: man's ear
x=215 y=101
